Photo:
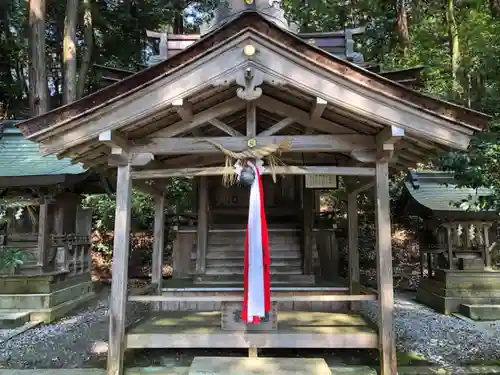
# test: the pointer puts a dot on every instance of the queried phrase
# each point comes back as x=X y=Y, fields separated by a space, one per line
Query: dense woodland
x=48 y=49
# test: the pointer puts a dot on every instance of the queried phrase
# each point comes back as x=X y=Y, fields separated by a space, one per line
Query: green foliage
x=11 y=258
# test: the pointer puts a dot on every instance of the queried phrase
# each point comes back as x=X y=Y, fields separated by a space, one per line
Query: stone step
x=238 y=279
x=13 y=319
x=238 y=270
x=480 y=312
x=239 y=262
x=258 y=366
x=285 y=254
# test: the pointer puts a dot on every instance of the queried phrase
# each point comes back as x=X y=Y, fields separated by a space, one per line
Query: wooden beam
x=387 y=346
x=389 y=135
x=301 y=143
x=158 y=243
x=223 y=109
x=225 y=128
x=301 y=117
x=135 y=160
x=317 y=109
x=202 y=228
x=118 y=299
x=277 y=127
x=217 y=171
x=251 y=119
x=115 y=140
x=184 y=109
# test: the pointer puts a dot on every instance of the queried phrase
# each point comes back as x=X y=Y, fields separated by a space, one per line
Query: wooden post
x=118 y=299
x=487 y=252
x=449 y=245
x=158 y=242
x=387 y=345
x=44 y=236
x=353 y=258
x=202 y=229
x=308 y=218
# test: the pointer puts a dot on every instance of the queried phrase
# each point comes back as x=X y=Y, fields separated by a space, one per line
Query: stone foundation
x=451 y=288
x=47 y=297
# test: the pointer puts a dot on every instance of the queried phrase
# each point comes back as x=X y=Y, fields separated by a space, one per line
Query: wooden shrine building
x=455 y=246
x=44 y=221
x=247 y=84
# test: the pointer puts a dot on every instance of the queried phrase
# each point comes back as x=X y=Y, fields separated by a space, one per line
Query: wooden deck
x=179 y=329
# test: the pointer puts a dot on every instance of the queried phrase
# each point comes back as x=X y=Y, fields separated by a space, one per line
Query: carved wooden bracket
x=249 y=80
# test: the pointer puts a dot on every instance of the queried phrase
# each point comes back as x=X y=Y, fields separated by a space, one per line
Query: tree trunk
x=454 y=49
x=402 y=26
x=69 y=51
x=495 y=8
x=89 y=45
x=37 y=69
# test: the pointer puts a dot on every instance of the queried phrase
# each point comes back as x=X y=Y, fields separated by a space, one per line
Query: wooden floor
x=179 y=329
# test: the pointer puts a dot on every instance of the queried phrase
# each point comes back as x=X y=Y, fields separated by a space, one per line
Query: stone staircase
x=225 y=257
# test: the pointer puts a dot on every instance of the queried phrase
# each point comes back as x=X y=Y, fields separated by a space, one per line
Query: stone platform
x=258 y=366
x=450 y=289
x=44 y=297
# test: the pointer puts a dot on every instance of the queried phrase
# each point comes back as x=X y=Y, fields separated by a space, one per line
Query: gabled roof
x=20 y=157
x=251 y=21
x=438 y=191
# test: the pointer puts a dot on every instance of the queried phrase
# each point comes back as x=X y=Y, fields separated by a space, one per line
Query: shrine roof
x=20 y=157
x=251 y=21
x=438 y=191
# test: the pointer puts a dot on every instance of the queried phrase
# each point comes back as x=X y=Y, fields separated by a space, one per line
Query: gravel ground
x=80 y=340
x=76 y=341
x=442 y=339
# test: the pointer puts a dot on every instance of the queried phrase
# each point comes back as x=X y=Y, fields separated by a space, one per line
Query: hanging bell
x=247 y=176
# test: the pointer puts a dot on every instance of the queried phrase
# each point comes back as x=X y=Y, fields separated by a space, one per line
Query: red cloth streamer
x=265 y=256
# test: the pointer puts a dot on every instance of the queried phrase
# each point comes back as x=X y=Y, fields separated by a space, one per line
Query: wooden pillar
x=353 y=255
x=487 y=253
x=202 y=229
x=387 y=345
x=449 y=244
x=308 y=218
x=158 y=242
x=118 y=299
x=44 y=242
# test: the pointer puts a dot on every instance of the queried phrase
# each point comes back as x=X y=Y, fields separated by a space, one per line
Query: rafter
x=302 y=117
x=115 y=140
x=223 y=109
x=318 y=108
x=277 y=127
x=301 y=143
x=225 y=128
x=184 y=109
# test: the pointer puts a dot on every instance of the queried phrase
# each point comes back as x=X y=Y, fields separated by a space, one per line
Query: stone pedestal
x=46 y=297
x=451 y=288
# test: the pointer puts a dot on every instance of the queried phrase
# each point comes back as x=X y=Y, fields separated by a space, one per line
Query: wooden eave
x=252 y=21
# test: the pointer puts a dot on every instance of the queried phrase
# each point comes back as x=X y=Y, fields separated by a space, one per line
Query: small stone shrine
x=455 y=246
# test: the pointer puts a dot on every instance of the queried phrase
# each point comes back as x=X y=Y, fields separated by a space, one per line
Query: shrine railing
x=71 y=253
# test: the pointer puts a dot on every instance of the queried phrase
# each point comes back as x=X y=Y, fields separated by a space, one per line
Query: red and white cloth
x=257 y=278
